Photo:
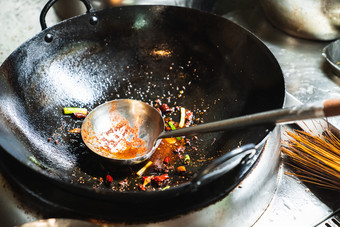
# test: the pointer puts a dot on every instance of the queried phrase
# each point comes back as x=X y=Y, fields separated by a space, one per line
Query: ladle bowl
x=139 y=121
x=141 y=116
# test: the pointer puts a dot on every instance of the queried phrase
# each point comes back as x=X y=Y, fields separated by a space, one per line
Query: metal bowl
x=332 y=55
x=316 y=19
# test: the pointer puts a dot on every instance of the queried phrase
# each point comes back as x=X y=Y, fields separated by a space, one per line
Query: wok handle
x=50 y=3
x=222 y=165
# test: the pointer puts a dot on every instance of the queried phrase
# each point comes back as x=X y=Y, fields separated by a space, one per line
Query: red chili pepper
x=79 y=115
x=161 y=178
x=145 y=177
x=167 y=160
x=165 y=108
x=189 y=118
x=108 y=179
x=141 y=187
x=147 y=180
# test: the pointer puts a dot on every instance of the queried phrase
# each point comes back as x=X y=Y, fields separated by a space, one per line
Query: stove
x=308 y=79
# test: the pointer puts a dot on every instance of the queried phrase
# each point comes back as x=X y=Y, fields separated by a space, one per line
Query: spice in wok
x=168 y=158
x=158 y=180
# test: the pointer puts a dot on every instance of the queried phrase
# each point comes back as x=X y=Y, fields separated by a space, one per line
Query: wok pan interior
x=182 y=57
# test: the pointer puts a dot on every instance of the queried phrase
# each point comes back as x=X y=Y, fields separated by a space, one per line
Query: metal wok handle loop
x=50 y=3
x=222 y=165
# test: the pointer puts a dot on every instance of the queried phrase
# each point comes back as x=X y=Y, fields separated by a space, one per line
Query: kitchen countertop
x=307 y=77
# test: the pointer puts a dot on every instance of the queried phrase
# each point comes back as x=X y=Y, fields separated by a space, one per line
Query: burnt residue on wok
x=157 y=78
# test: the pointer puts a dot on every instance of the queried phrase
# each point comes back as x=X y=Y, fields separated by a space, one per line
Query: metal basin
x=310 y=19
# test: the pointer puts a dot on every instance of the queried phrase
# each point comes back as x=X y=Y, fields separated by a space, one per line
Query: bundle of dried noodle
x=314 y=158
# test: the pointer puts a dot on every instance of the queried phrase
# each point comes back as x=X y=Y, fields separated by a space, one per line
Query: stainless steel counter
x=307 y=78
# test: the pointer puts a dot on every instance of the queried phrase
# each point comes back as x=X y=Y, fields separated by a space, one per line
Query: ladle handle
x=327 y=109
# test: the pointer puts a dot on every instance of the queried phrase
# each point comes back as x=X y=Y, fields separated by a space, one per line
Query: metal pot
x=310 y=19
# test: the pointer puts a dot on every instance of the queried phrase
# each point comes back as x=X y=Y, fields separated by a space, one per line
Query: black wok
x=182 y=56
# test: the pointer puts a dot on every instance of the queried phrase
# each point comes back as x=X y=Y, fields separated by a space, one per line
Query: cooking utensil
x=150 y=123
x=138 y=52
x=331 y=53
x=314 y=158
x=317 y=19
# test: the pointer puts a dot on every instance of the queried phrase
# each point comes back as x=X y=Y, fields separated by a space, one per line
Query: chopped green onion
x=35 y=161
x=187 y=159
x=182 y=121
x=72 y=110
x=165 y=188
x=142 y=170
x=172 y=126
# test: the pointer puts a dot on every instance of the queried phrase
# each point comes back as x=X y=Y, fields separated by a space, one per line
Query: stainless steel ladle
x=150 y=123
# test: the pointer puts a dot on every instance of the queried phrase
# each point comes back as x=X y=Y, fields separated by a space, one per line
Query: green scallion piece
x=187 y=159
x=36 y=162
x=72 y=110
x=172 y=126
x=165 y=188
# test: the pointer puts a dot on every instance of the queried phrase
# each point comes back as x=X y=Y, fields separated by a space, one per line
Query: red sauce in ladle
x=121 y=141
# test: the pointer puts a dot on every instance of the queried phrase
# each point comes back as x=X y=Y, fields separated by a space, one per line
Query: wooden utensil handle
x=331 y=107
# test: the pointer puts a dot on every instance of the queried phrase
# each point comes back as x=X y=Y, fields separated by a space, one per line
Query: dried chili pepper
x=166 y=160
x=108 y=179
x=189 y=117
x=147 y=180
x=79 y=115
x=141 y=187
x=165 y=108
x=161 y=178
